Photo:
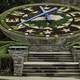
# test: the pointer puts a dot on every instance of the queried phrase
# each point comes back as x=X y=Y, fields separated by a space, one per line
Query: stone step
x=61 y=52
x=51 y=63
x=50 y=67
x=50 y=60
x=51 y=70
x=64 y=56
x=58 y=74
x=50 y=56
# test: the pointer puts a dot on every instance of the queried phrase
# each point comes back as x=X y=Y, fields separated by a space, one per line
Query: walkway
x=37 y=78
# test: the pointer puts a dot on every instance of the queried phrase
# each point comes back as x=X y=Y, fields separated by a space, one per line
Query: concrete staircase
x=51 y=64
x=50 y=57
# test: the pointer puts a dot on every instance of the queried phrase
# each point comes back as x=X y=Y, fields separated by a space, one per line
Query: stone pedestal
x=76 y=53
x=18 y=53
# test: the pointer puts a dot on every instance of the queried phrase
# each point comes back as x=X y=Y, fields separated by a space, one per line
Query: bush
x=6 y=62
x=6 y=65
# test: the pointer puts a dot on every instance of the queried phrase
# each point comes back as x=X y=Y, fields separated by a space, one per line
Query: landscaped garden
x=20 y=25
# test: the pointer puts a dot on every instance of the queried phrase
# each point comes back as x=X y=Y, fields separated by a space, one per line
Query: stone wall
x=18 y=54
x=76 y=53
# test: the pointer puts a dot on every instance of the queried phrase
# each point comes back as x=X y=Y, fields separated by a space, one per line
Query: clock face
x=64 y=20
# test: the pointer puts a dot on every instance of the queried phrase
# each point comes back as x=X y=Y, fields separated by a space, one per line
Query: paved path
x=37 y=78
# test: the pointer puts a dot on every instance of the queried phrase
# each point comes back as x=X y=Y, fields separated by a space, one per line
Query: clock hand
x=30 y=19
x=46 y=15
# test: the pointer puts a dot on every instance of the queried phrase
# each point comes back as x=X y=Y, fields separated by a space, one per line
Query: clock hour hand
x=30 y=19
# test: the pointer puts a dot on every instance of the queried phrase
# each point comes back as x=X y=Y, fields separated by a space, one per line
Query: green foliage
x=3 y=50
x=4 y=47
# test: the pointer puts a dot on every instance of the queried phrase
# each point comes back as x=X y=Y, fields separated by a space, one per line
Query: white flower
x=67 y=15
x=61 y=9
x=30 y=31
x=26 y=15
x=47 y=32
x=17 y=19
x=9 y=29
x=22 y=20
x=70 y=20
x=48 y=28
x=29 y=9
x=66 y=30
x=56 y=17
x=77 y=26
x=47 y=36
x=27 y=24
x=46 y=7
x=35 y=12
x=66 y=24
x=26 y=34
x=7 y=20
x=60 y=26
x=36 y=27
x=65 y=10
x=19 y=27
x=77 y=19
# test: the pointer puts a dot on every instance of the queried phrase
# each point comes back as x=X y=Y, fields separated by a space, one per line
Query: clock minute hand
x=46 y=15
x=30 y=19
